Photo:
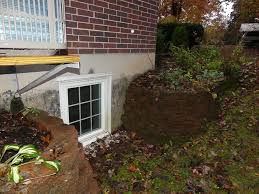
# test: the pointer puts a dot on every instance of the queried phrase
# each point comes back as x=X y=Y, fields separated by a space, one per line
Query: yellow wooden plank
x=37 y=60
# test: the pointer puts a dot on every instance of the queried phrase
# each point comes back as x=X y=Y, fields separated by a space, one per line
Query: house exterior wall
x=109 y=36
x=111 y=26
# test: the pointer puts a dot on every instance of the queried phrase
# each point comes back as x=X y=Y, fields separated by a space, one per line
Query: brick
x=76 y=4
x=101 y=39
x=95 y=8
x=72 y=38
x=85 y=12
x=110 y=45
x=101 y=15
x=86 y=38
x=101 y=3
x=101 y=27
x=96 y=33
x=86 y=51
x=80 y=18
x=96 y=21
x=100 y=51
x=95 y=45
x=85 y=25
x=104 y=26
x=80 y=32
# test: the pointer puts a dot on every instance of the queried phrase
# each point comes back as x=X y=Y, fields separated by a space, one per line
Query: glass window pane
x=41 y=8
x=27 y=6
x=32 y=6
x=96 y=91
x=96 y=107
x=85 y=93
x=77 y=126
x=86 y=125
x=96 y=122
x=85 y=110
x=37 y=7
x=21 y=6
x=73 y=96
x=73 y=113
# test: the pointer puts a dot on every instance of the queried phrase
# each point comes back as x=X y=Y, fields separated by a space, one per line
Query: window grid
x=32 y=22
x=90 y=101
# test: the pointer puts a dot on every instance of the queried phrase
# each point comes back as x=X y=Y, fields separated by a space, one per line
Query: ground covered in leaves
x=224 y=159
x=16 y=129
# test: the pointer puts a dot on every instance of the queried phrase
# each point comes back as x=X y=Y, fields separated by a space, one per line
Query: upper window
x=85 y=102
x=37 y=24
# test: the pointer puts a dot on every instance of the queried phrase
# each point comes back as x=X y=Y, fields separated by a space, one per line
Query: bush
x=232 y=66
x=166 y=30
x=178 y=78
x=180 y=37
x=198 y=59
x=200 y=68
x=183 y=57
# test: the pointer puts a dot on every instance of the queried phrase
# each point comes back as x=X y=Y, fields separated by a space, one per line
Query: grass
x=224 y=159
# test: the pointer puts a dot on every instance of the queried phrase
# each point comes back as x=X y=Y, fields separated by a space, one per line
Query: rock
x=3 y=169
x=176 y=115
x=76 y=175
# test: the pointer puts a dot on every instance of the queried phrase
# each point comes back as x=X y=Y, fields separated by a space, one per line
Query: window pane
x=86 y=126
x=73 y=96
x=96 y=122
x=16 y=5
x=32 y=6
x=27 y=6
x=96 y=91
x=21 y=6
x=85 y=94
x=85 y=110
x=73 y=113
x=96 y=107
x=77 y=126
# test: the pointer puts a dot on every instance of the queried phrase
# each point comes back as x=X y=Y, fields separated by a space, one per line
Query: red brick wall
x=104 y=26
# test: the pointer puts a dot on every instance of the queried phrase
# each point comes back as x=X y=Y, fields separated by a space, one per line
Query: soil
x=16 y=129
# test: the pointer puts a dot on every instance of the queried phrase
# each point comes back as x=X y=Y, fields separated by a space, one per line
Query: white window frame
x=105 y=79
x=25 y=44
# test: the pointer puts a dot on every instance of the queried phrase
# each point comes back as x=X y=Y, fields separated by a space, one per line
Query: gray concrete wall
x=124 y=68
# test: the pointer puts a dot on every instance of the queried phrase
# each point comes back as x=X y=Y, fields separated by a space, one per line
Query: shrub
x=178 y=78
x=200 y=67
x=232 y=66
x=209 y=78
x=183 y=57
x=180 y=37
x=166 y=29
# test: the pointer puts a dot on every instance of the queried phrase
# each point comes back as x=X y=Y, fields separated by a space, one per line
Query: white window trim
x=20 y=44
x=105 y=79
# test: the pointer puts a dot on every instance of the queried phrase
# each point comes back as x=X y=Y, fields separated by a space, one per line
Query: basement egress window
x=85 y=102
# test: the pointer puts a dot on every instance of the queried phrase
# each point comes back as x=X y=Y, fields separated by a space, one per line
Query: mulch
x=16 y=129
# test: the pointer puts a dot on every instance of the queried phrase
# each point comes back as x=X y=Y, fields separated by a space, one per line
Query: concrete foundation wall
x=124 y=68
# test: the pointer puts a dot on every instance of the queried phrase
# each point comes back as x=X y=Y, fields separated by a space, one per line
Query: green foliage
x=180 y=37
x=209 y=78
x=30 y=110
x=25 y=153
x=14 y=174
x=232 y=66
x=9 y=147
x=166 y=30
x=178 y=77
x=200 y=67
x=184 y=57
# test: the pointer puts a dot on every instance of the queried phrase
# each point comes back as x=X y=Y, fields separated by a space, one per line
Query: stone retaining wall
x=76 y=175
x=160 y=115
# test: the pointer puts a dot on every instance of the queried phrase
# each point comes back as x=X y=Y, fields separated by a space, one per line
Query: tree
x=244 y=11
x=195 y=11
